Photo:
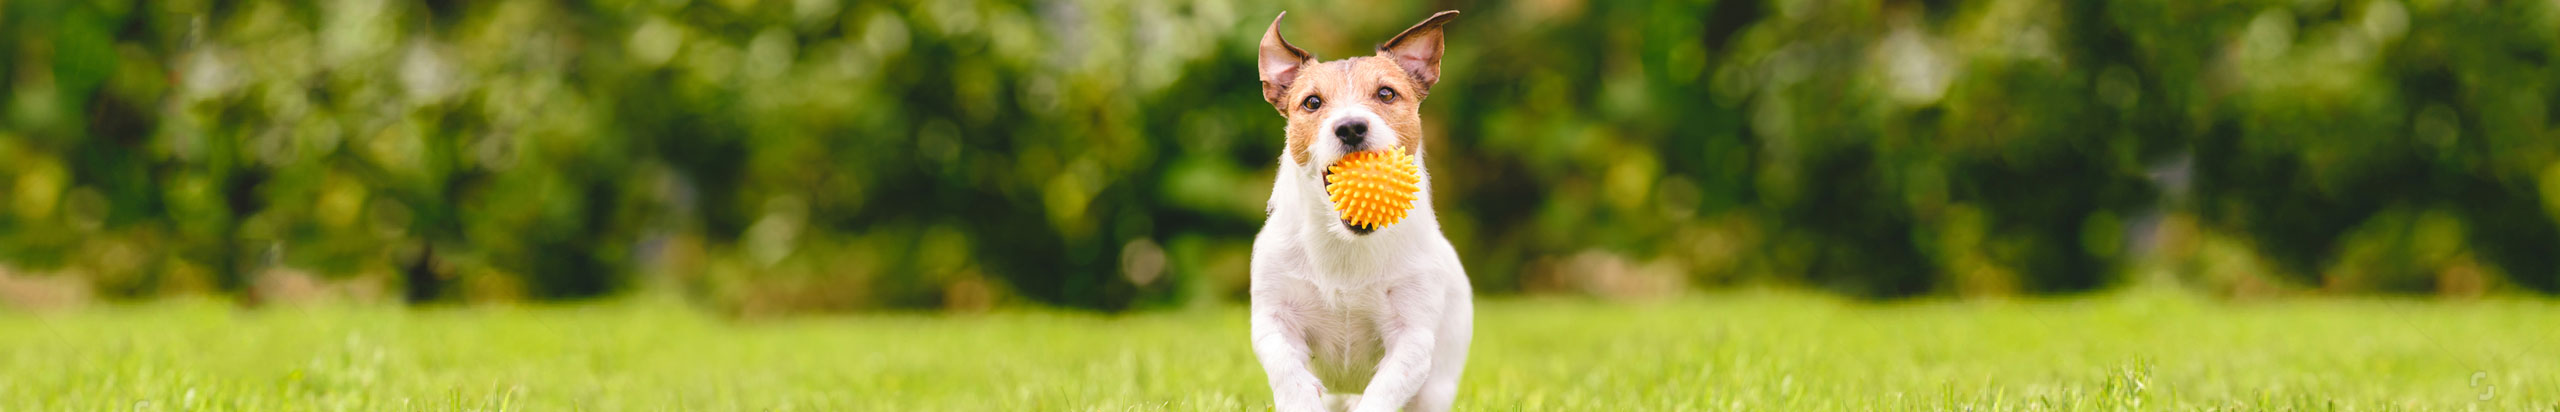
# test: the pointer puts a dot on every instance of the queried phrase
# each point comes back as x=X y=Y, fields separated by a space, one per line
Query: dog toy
x=1374 y=189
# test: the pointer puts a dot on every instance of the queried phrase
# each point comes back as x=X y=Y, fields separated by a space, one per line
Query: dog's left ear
x=1417 y=50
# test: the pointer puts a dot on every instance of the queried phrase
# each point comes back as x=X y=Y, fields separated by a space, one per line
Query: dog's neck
x=1299 y=202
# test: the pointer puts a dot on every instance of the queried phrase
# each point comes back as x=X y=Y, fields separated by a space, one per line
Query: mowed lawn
x=1728 y=351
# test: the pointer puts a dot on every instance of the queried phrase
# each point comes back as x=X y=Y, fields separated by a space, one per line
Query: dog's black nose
x=1351 y=132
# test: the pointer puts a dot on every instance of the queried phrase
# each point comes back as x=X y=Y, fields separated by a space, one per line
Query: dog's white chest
x=1342 y=334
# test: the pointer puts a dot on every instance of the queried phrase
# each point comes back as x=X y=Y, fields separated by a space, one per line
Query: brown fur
x=1354 y=81
x=1409 y=63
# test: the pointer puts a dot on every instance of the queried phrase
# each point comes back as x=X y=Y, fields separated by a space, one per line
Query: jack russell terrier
x=1350 y=314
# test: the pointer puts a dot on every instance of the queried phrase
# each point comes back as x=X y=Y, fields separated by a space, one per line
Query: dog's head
x=1358 y=104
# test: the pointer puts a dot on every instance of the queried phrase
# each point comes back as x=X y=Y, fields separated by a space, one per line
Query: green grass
x=1738 y=351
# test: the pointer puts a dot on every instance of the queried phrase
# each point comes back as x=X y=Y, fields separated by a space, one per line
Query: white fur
x=1386 y=315
x=1326 y=149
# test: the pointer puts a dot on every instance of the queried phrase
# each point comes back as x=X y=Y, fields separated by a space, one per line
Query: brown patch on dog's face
x=1372 y=82
x=1391 y=84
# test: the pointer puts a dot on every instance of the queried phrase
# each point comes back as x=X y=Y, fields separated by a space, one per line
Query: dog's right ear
x=1279 y=63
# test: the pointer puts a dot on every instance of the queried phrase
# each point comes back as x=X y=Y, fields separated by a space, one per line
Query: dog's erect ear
x=1280 y=64
x=1417 y=50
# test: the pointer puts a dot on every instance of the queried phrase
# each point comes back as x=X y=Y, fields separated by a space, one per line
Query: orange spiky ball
x=1375 y=188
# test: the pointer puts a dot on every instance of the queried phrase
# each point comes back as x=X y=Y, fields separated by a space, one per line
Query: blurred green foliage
x=813 y=154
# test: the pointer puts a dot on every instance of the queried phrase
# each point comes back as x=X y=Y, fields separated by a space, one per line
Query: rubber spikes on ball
x=1376 y=188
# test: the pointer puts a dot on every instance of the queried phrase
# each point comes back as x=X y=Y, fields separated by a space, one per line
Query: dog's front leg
x=1411 y=329
x=1283 y=351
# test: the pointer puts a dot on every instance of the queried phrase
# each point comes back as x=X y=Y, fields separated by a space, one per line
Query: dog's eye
x=1313 y=103
x=1386 y=94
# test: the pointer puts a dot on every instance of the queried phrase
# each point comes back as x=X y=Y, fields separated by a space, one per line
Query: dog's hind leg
x=1341 y=401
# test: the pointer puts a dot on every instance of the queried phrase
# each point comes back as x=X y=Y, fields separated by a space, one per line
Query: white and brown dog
x=1345 y=317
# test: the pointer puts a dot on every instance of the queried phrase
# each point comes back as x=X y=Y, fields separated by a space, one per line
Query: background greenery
x=775 y=156
x=1728 y=351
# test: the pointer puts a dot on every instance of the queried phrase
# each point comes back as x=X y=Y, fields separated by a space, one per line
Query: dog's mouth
x=1327 y=180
